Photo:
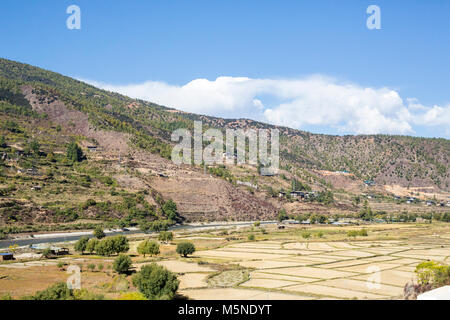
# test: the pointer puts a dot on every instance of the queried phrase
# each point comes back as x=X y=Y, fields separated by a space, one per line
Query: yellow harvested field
x=266 y=275
x=404 y=261
x=237 y=255
x=265 y=250
x=267 y=283
x=182 y=267
x=320 y=290
x=367 y=268
x=359 y=285
x=312 y=259
x=311 y=272
x=268 y=264
x=353 y=253
x=240 y=294
x=193 y=280
x=259 y=245
x=391 y=277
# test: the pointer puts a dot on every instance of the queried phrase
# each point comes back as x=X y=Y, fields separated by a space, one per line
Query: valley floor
x=278 y=264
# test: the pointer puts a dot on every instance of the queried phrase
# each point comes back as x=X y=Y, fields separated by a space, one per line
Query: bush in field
x=61 y=265
x=80 y=245
x=251 y=237
x=185 y=248
x=122 y=263
x=100 y=267
x=352 y=233
x=91 y=266
x=355 y=233
x=99 y=233
x=148 y=247
x=306 y=235
x=165 y=236
x=363 y=233
x=47 y=253
x=156 y=282
x=257 y=223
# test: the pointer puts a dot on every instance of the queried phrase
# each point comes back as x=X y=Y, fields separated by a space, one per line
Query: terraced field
x=322 y=270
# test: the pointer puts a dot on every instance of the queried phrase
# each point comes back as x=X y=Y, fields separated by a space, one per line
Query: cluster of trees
x=313 y=218
x=105 y=247
x=148 y=247
x=165 y=236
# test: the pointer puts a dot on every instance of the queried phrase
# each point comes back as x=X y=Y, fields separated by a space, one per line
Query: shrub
x=355 y=233
x=156 y=282
x=306 y=235
x=91 y=266
x=100 y=267
x=185 y=248
x=99 y=233
x=363 y=233
x=122 y=263
x=257 y=223
x=61 y=265
x=47 y=253
x=251 y=237
x=148 y=247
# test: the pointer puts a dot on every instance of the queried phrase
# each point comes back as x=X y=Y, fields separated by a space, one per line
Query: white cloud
x=297 y=103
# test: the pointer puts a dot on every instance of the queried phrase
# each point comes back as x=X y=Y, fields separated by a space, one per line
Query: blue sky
x=275 y=61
